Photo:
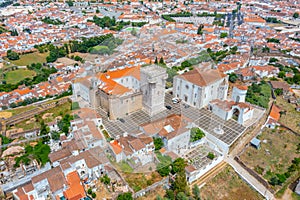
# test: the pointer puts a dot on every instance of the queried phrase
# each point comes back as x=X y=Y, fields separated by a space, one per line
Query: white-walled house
x=129 y=147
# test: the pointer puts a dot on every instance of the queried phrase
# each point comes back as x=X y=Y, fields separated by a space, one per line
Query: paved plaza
x=203 y=118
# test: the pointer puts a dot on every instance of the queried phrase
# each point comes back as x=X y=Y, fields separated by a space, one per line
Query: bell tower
x=153 y=81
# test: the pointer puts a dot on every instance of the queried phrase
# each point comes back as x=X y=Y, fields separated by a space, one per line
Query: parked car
x=169 y=107
x=175 y=100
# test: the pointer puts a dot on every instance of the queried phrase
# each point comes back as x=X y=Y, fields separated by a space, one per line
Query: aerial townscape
x=150 y=99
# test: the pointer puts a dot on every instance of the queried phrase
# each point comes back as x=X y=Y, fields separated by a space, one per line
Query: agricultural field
x=291 y=118
x=227 y=185
x=274 y=159
x=28 y=59
x=18 y=75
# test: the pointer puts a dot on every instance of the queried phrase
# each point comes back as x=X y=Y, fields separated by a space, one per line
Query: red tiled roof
x=275 y=112
x=76 y=189
x=116 y=147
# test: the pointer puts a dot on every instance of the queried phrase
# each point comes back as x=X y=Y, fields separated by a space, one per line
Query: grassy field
x=123 y=167
x=30 y=58
x=15 y=76
x=159 y=191
x=60 y=110
x=19 y=110
x=132 y=28
x=278 y=149
x=292 y=117
x=138 y=181
x=227 y=185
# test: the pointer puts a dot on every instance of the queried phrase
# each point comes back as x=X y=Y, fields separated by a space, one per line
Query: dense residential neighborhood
x=170 y=100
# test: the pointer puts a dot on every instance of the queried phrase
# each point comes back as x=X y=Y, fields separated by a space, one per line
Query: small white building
x=237 y=108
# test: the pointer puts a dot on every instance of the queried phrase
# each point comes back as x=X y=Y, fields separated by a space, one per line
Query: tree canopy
x=158 y=143
x=12 y=55
x=125 y=196
x=196 y=134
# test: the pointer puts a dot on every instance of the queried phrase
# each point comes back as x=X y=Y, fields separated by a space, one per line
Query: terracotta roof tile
x=203 y=77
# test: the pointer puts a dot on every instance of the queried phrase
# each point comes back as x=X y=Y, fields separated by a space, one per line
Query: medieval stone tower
x=153 y=81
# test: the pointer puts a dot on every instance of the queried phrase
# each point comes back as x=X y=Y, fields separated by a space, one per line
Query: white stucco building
x=236 y=108
x=200 y=86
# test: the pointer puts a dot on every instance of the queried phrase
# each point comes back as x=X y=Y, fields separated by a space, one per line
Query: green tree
x=44 y=130
x=158 y=197
x=211 y=155
x=281 y=74
x=278 y=91
x=161 y=60
x=196 y=192
x=163 y=169
x=170 y=194
x=12 y=55
x=125 y=196
x=196 y=134
x=266 y=50
x=223 y=35
x=181 y=196
x=105 y=179
x=14 y=33
x=158 y=143
x=273 y=60
x=180 y=183
x=94 y=195
x=232 y=77
x=55 y=135
x=156 y=61
x=296 y=78
x=178 y=165
x=70 y=3
x=186 y=64
x=296 y=15
x=90 y=191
